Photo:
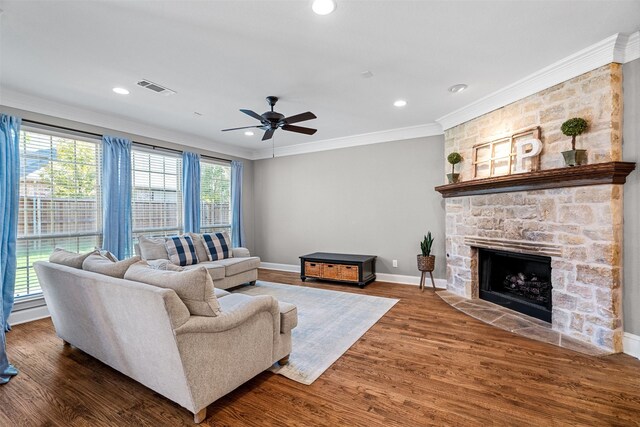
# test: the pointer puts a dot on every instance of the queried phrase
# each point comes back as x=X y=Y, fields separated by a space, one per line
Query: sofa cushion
x=164 y=264
x=240 y=252
x=152 y=248
x=201 y=249
x=181 y=250
x=70 y=259
x=194 y=287
x=101 y=264
x=218 y=245
x=288 y=317
x=233 y=266
x=216 y=271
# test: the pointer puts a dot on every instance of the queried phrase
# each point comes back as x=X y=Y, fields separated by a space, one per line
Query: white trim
x=280 y=267
x=632 y=50
x=28 y=315
x=631 y=344
x=616 y=48
x=382 y=277
x=429 y=129
x=22 y=101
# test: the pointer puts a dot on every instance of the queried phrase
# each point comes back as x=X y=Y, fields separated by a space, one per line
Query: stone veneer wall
x=584 y=222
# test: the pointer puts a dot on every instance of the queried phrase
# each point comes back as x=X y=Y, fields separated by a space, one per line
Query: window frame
x=215 y=227
x=36 y=299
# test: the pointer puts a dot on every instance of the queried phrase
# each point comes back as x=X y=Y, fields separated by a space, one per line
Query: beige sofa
x=226 y=273
x=147 y=333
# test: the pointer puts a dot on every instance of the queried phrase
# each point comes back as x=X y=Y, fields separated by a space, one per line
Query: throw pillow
x=105 y=253
x=181 y=250
x=100 y=264
x=70 y=259
x=218 y=245
x=152 y=248
x=194 y=287
x=163 y=264
x=201 y=248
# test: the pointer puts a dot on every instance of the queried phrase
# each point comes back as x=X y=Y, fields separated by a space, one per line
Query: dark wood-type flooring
x=423 y=363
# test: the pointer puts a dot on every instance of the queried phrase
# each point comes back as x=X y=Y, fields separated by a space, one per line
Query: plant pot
x=453 y=177
x=426 y=263
x=575 y=157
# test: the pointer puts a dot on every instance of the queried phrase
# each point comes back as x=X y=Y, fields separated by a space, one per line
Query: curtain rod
x=34 y=122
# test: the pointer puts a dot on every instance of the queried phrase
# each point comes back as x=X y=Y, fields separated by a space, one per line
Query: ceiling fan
x=271 y=120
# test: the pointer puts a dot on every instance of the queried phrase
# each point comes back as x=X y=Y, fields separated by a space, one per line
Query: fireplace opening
x=520 y=282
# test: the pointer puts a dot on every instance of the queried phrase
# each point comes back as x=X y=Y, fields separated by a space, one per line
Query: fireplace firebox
x=520 y=282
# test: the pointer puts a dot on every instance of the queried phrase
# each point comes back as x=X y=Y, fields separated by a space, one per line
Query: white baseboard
x=383 y=277
x=631 y=344
x=280 y=267
x=28 y=315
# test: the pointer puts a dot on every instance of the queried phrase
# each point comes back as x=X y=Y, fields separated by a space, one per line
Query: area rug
x=329 y=322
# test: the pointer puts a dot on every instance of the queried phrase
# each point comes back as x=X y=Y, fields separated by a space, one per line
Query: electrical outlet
x=395 y=263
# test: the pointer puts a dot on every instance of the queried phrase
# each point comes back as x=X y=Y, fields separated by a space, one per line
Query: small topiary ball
x=454 y=158
x=574 y=126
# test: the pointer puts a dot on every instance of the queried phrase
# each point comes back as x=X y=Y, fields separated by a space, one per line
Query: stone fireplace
x=575 y=226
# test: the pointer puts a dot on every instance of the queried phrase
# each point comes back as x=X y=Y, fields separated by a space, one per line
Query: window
x=157 y=193
x=215 y=197
x=59 y=200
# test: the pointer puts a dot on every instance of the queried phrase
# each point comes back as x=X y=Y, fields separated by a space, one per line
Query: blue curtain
x=191 y=192
x=237 y=230
x=116 y=196
x=9 y=199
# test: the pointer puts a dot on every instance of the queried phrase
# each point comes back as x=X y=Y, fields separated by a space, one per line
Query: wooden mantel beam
x=577 y=176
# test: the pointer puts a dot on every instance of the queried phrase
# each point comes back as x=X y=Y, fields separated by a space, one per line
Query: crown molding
x=22 y=101
x=619 y=48
x=420 y=131
x=632 y=48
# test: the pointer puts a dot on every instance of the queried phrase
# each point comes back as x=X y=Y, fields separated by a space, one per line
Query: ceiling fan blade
x=299 y=129
x=252 y=114
x=299 y=118
x=268 y=134
x=244 y=127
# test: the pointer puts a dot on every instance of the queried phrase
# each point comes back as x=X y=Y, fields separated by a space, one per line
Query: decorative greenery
x=426 y=243
x=574 y=127
x=454 y=158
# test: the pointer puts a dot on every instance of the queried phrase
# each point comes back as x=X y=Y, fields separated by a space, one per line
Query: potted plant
x=574 y=127
x=453 y=158
x=426 y=261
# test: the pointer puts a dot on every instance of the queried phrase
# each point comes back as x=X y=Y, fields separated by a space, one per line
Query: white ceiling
x=220 y=56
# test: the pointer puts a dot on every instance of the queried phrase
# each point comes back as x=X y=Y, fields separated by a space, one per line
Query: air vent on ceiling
x=156 y=87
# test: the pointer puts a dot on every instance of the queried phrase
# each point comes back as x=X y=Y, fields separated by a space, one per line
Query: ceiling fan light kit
x=272 y=120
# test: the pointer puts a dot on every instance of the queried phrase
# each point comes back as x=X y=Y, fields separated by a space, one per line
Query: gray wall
x=247 y=176
x=375 y=199
x=631 y=153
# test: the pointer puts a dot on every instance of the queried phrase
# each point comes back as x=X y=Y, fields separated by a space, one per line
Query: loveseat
x=226 y=273
x=148 y=333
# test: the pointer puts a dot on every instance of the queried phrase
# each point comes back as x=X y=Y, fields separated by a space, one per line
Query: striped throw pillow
x=181 y=250
x=218 y=245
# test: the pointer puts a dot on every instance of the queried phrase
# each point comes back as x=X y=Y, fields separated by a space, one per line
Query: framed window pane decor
x=497 y=157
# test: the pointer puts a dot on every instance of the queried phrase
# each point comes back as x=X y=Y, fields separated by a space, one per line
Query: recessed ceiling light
x=457 y=88
x=400 y=103
x=248 y=133
x=120 y=91
x=323 y=7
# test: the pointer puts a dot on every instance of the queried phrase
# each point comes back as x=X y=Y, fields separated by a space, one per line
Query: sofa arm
x=288 y=317
x=236 y=310
x=240 y=252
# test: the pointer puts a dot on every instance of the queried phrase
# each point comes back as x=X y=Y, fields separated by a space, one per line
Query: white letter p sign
x=524 y=149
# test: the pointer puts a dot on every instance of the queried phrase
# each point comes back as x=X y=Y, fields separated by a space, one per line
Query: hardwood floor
x=423 y=363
